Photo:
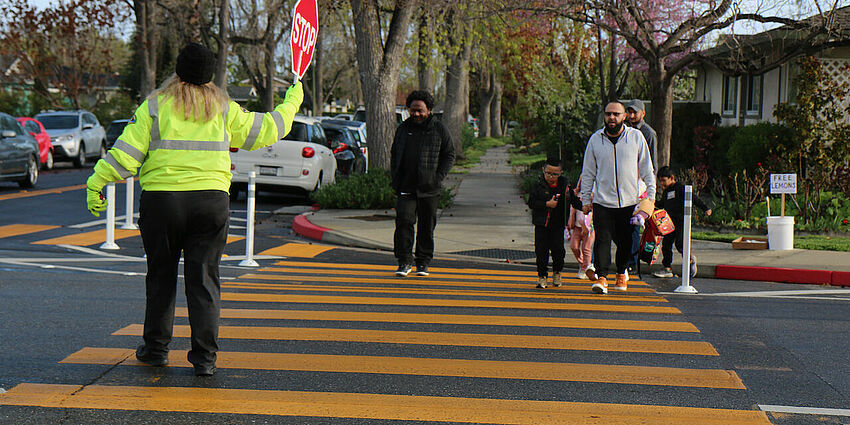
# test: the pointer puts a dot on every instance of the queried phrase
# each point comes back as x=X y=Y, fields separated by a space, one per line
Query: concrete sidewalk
x=489 y=220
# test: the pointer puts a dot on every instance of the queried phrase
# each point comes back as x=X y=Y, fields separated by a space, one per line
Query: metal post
x=686 y=246
x=249 y=228
x=110 y=218
x=128 y=218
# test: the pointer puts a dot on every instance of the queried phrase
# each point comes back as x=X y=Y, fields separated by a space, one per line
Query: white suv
x=302 y=161
x=76 y=135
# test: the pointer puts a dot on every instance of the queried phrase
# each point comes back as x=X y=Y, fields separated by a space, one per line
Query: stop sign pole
x=305 y=31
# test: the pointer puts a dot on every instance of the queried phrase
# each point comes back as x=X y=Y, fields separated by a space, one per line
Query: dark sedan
x=19 y=154
x=349 y=156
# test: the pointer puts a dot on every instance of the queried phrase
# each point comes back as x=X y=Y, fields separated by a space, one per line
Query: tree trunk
x=379 y=65
x=145 y=11
x=223 y=45
x=454 y=112
x=661 y=117
x=496 y=129
x=424 y=57
x=268 y=96
x=485 y=97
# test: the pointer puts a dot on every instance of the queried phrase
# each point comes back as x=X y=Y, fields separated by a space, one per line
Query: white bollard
x=686 y=246
x=110 y=218
x=249 y=228
x=128 y=218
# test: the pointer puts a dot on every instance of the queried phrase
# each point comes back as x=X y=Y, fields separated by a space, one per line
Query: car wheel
x=32 y=174
x=80 y=160
x=319 y=183
x=102 y=150
x=48 y=163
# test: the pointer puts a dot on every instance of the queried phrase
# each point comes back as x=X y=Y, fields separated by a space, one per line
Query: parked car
x=358 y=133
x=45 y=148
x=76 y=135
x=113 y=131
x=349 y=158
x=302 y=161
x=401 y=114
x=19 y=154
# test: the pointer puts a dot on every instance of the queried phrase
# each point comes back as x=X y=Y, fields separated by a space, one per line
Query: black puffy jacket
x=557 y=217
x=436 y=154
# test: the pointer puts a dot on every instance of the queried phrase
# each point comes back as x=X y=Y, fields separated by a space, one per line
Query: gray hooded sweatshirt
x=611 y=170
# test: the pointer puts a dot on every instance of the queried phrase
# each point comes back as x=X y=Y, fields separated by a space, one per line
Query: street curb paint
x=773 y=274
x=304 y=227
x=840 y=279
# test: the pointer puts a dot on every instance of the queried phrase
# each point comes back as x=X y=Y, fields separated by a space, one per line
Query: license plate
x=268 y=171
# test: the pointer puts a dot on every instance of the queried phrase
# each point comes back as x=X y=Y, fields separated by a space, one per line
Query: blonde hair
x=198 y=103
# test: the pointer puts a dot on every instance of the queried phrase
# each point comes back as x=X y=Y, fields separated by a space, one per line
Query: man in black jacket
x=550 y=201
x=673 y=201
x=421 y=156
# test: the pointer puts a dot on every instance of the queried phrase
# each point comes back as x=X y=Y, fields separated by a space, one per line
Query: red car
x=45 y=147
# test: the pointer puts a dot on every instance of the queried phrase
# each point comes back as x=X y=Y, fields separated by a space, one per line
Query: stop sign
x=305 y=29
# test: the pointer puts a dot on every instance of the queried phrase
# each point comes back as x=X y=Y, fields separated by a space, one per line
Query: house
x=744 y=78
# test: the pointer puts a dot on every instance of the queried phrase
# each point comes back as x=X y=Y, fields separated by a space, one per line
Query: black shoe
x=144 y=355
x=421 y=270
x=403 y=270
x=204 y=370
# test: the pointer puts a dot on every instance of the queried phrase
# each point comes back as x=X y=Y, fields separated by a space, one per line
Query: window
x=32 y=127
x=754 y=90
x=298 y=132
x=730 y=91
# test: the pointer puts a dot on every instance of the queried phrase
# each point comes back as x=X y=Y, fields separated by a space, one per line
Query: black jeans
x=612 y=224
x=410 y=210
x=195 y=224
x=548 y=240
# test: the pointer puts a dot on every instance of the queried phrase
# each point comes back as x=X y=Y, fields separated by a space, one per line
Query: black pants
x=195 y=224
x=548 y=240
x=612 y=224
x=410 y=210
x=670 y=239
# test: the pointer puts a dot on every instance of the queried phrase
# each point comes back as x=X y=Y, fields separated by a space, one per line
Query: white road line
x=100 y=222
x=804 y=410
x=97 y=252
x=86 y=269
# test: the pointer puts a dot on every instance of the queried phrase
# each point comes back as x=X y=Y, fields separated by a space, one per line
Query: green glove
x=95 y=201
x=94 y=198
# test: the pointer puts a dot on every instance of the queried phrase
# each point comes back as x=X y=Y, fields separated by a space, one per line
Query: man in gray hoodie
x=615 y=159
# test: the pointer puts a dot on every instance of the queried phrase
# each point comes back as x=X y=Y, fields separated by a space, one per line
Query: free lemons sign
x=783 y=183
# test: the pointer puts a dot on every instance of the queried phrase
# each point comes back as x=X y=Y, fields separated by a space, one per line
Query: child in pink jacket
x=582 y=236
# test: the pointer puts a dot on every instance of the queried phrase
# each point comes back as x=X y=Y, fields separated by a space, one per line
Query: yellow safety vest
x=180 y=155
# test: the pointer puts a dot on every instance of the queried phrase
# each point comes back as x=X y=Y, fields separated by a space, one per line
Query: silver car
x=76 y=135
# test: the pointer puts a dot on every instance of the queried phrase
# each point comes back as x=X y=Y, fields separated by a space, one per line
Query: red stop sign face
x=305 y=30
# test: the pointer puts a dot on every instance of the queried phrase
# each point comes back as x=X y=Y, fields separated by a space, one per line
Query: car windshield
x=336 y=136
x=356 y=135
x=360 y=116
x=55 y=122
x=115 y=129
x=298 y=132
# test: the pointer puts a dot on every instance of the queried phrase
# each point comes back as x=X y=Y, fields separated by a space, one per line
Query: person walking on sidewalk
x=421 y=156
x=615 y=158
x=180 y=137
x=582 y=236
x=549 y=200
x=635 y=113
x=673 y=201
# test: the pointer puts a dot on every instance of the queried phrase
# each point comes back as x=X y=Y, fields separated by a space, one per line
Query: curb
x=304 y=227
x=301 y=225
x=782 y=275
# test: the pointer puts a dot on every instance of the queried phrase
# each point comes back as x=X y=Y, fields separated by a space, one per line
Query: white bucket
x=780 y=232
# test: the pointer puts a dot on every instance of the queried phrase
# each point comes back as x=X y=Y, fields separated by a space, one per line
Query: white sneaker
x=663 y=273
x=541 y=282
x=582 y=274
x=693 y=266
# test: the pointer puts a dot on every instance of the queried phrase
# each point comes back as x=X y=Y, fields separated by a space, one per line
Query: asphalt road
x=328 y=335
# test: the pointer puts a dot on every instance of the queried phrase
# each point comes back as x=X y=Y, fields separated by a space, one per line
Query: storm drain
x=509 y=254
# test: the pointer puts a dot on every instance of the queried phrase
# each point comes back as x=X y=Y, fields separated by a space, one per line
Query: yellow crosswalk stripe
x=367 y=406
x=451 y=319
x=433 y=270
x=548 y=371
x=302 y=250
x=624 y=345
x=294 y=270
x=428 y=282
x=10 y=230
x=87 y=238
x=557 y=295
x=434 y=302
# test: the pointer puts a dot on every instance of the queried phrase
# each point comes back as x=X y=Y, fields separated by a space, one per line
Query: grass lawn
x=814 y=242
x=520 y=159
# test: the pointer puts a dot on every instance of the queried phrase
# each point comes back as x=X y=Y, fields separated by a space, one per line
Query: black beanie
x=195 y=64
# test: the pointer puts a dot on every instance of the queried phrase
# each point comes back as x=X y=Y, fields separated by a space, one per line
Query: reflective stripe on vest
x=255 y=131
x=122 y=172
x=185 y=145
x=129 y=150
x=281 y=127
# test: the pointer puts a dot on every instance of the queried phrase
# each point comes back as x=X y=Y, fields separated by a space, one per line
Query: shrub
x=761 y=144
x=366 y=191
